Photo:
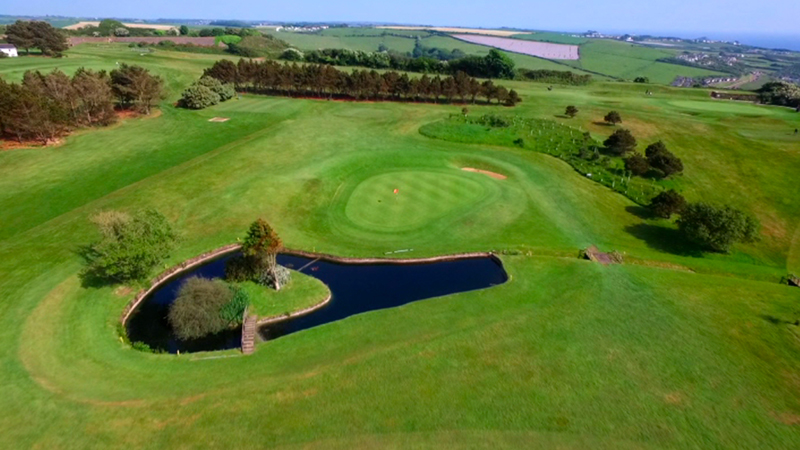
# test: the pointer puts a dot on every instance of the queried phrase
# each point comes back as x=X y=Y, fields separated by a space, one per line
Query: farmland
x=676 y=348
x=540 y=49
x=482 y=31
x=151 y=26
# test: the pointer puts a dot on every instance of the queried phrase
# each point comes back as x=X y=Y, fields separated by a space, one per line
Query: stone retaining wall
x=196 y=261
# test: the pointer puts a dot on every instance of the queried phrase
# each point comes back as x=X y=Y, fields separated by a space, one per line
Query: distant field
x=129 y=25
x=460 y=30
x=539 y=49
x=556 y=38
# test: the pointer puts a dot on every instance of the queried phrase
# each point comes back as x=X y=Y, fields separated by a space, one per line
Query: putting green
x=422 y=197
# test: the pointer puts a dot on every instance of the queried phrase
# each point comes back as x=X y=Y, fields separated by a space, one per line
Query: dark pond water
x=356 y=288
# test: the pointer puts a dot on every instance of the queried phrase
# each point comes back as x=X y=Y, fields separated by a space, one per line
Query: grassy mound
x=301 y=292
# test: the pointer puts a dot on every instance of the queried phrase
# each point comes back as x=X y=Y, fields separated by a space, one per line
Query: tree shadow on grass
x=668 y=240
x=640 y=212
x=90 y=279
x=603 y=124
x=776 y=321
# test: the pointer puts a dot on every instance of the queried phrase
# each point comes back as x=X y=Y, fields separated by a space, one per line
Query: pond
x=355 y=289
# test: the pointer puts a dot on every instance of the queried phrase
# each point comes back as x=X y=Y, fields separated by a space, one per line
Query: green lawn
x=675 y=349
x=301 y=292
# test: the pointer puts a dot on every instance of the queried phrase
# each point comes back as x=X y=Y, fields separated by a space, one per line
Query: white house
x=9 y=50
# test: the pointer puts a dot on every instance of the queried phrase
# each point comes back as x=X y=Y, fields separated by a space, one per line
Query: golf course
x=675 y=348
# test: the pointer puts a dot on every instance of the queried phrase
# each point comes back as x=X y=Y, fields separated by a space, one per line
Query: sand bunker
x=219 y=119
x=494 y=175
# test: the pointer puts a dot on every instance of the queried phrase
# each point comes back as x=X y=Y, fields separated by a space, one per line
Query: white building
x=9 y=50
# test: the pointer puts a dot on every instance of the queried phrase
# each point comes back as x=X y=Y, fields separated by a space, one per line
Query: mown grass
x=566 y=354
x=301 y=292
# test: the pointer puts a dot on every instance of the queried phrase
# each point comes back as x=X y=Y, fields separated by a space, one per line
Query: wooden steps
x=249 y=329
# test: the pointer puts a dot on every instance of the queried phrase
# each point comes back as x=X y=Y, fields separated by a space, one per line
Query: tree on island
x=717 y=228
x=204 y=307
x=620 y=142
x=613 y=118
x=259 y=258
x=571 y=111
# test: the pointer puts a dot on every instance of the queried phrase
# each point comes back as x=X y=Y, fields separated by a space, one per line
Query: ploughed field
x=673 y=349
x=545 y=50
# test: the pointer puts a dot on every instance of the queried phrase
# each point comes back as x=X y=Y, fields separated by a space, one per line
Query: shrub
x=667 y=203
x=637 y=164
x=613 y=118
x=197 y=311
x=620 y=142
x=129 y=246
x=292 y=54
x=198 y=96
x=662 y=159
x=571 y=111
x=641 y=80
x=717 y=228
x=225 y=91
x=233 y=311
x=494 y=121
x=280 y=276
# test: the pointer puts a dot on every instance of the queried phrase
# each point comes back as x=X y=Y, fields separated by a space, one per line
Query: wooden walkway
x=249 y=329
x=594 y=254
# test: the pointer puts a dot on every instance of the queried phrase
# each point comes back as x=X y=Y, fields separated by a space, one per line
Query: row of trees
x=35 y=34
x=323 y=81
x=496 y=64
x=43 y=107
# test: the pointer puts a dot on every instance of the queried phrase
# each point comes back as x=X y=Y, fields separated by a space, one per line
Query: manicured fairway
x=674 y=349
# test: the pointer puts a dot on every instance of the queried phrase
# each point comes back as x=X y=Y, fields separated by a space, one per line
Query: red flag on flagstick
x=395 y=191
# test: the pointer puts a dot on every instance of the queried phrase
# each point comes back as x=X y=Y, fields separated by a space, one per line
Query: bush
x=667 y=203
x=717 y=228
x=494 y=121
x=233 y=311
x=225 y=91
x=621 y=142
x=292 y=54
x=197 y=311
x=613 y=118
x=198 y=97
x=571 y=111
x=281 y=277
x=662 y=159
x=637 y=164
x=129 y=246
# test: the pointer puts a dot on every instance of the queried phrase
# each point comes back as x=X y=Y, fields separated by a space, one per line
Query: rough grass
x=567 y=354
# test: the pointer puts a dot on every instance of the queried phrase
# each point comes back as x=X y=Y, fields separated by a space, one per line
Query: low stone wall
x=169 y=273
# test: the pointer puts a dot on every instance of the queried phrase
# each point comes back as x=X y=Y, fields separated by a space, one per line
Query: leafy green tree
x=106 y=27
x=662 y=159
x=198 y=96
x=130 y=245
x=613 y=118
x=571 y=111
x=717 y=228
x=499 y=65
x=637 y=164
x=135 y=87
x=184 y=30
x=513 y=98
x=620 y=142
x=259 y=257
x=292 y=54
x=26 y=35
x=667 y=203
x=225 y=91
x=199 y=310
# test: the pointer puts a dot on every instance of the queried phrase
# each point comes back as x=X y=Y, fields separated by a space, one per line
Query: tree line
x=496 y=64
x=26 y=35
x=44 y=107
x=324 y=81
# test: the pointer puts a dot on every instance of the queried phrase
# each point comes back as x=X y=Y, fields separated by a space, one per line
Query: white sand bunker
x=485 y=172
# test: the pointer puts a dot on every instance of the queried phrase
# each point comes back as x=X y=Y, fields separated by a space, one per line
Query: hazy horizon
x=690 y=18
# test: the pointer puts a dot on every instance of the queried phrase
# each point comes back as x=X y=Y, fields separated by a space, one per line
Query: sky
x=691 y=18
